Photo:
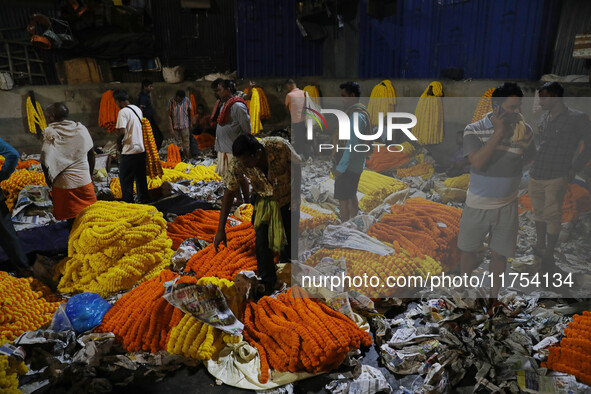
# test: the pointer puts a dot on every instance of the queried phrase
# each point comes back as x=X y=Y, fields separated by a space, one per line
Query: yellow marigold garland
x=376 y=188
x=313 y=92
x=458 y=182
x=382 y=100
x=255 y=113
x=429 y=113
x=484 y=105
x=113 y=246
x=17 y=181
x=10 y=370
x=318 y=218
x=35 y=116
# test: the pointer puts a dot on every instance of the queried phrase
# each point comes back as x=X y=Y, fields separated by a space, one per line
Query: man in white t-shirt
x=130 y=143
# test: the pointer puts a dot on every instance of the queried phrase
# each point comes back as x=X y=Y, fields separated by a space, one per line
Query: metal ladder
x=20 y=58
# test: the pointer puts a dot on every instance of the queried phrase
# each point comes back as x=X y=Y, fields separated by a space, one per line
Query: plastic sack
x=83 y=312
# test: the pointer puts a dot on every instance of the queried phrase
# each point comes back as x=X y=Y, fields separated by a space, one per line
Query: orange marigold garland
x=200 y=223
x=108 y=112
x=24 y=164
x=153 y=166
x=484 y=105
x=295 y=333
x=205 y=140
x=173 y=158
x=577 y=200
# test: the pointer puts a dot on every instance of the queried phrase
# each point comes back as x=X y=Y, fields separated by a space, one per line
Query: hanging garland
x=108 y=112
x=484 y=105
x=35 y=117
x=153 y=166
x=382 y=100
x=314 y=93
x=429 y=113
x=255 y=113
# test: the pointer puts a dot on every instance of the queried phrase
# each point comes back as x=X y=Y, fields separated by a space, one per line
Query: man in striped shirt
x=180 y=120
x=498 y=146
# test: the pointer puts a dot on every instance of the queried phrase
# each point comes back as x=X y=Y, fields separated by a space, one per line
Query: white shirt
x=133 y=140
x=75 y=176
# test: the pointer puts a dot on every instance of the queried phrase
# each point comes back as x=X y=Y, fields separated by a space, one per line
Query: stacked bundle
x=376 y=188
x=577 y=200
x=484 y=105
x=108 y=112
x=17 y=181
x=205 y=140
x=255 y=113
x=265 y=111
x=573 y=355
x=35 y=117
x=295 y=333
x=314 y=93
x=311 y=218
x=153 y=167
x=382 y=100
x=383 y=160
x=422 y=228
x=23 y=309
x=458 y=182
x=429 y=113
x=424 y=170
x=361 y=262
x=200 y=224
x=113 y=246
x=173 y=158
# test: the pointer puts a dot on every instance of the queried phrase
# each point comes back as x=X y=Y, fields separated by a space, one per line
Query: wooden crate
x=79 y=71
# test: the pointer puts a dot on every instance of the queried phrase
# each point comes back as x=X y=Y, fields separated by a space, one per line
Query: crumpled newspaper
x=369 y=380
x=343 y=237
x=33 y=208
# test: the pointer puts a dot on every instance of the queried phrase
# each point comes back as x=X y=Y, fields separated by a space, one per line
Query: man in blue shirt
x=350 y=164
x=8 y=238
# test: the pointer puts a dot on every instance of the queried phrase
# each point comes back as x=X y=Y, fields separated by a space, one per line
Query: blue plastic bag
x=85 y=311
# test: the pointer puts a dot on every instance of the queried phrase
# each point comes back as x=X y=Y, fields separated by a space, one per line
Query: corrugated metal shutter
x=270 y=43
x=574 y=19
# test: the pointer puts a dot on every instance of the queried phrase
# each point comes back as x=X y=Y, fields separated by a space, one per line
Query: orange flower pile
x=318 y=218
x=153 y=167
x=108 y=112
x=382 y=160
x=424 y=170
x=361 y=262
x=17 y=181
x=205 y=140
x=422 y=227
x=200 y=224
x=577 y=200
x=193 y=104
x=23 y=309
x=173 y=158
x=573 y=356
x=26 y=164
x=265 y=111
x=295 y=333
x=142 y=319
x=484 y=105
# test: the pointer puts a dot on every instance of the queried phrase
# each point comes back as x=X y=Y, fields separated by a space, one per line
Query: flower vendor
x=67 y=157
x=130 y=143
x=497 y=146
x=350 y=163
x=268 y=165
x=561 y=129
x=180 y=120
x=8 y=238
x=295 y=101
x=145 y=103
x=232 y=121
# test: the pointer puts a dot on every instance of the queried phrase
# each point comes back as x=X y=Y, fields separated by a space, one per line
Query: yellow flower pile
x=10 y=370
x=113 y=246
x=181 y=171
x=22 y=308
x=17 y=181
x=195 y=339
x=484 y=105
x=35 y=116
x=255 y=112
x=429 y=113
x=376 y=188
x=382 y=99
x=244 y=212
x=317 y=219
x=313 y=92
x=424 y=170
x=458 y=182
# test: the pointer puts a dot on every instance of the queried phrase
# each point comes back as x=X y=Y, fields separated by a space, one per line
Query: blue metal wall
x=269 y=43
x=487 y=38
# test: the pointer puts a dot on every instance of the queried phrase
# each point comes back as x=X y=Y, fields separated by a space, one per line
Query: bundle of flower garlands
x=205 y=140
x=24 y=164
x=422 y=228
x=10 y=370
x=429 y=113
x=35 y=118
x=383 y=160
x=23 y=309
x=112 y=247
x=108 y=112
x=381 y=100
x=17 y=181
x=153 y=166
x=361 y=262
x=577 y=200
x=254 y=108
x=200 y=223
x=484 y=105
x=313 y=92
x=311 y=218
x=424 y=170
x=573 y=355
x=458 y=182
x=295 y=333
x=376 y=187
x=173 y=158
x=265 y=111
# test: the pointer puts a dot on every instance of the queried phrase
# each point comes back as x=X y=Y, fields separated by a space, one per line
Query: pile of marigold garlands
x=17 y=181
x=113 y=246
x=376 y=188
x=10 y=370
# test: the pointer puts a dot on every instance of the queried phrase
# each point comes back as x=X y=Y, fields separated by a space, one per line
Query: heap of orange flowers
x=173 y=158
x=484 y=105
x=265 y=111
x=17 y=181
x=205 y=140
x=200 y=223
x=573 y=356
x=108 y=112
x=422 y=227
x=424 y=170
x=153 y=166
x=295 y=333
x=383 y=160
x=24 y=164
x=142 y=319
x=577 y=200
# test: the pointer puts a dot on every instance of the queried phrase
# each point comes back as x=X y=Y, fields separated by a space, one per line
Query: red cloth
x=225 y=112
x=67 y=203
